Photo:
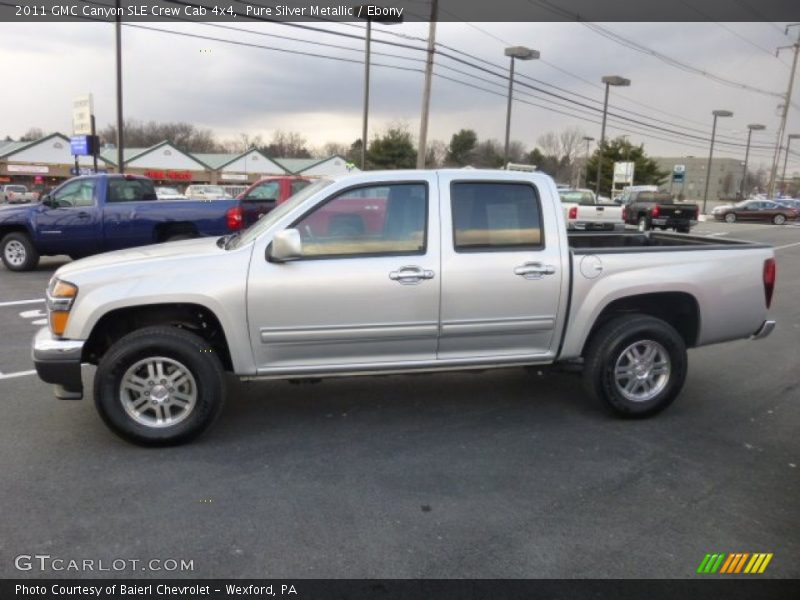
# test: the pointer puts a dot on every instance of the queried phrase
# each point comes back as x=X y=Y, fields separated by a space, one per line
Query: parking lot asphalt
x=498 y=474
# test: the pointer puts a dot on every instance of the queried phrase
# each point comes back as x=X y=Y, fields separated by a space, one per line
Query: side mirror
x=46 y=200
x=286 y=245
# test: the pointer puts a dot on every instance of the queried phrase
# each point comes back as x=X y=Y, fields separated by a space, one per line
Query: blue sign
x=80 y=145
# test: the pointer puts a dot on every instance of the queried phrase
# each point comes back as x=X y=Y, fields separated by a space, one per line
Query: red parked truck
x=269 y=192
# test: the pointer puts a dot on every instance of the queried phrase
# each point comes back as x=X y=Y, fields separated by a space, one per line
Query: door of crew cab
x=69 y=223
x=501 y=270
x=365 y=290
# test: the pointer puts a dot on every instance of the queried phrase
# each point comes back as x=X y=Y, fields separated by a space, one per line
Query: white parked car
x=169 y=193
x=206 y=192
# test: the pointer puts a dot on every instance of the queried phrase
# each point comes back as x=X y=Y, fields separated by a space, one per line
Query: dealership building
x=46 y=162
x=725 y=182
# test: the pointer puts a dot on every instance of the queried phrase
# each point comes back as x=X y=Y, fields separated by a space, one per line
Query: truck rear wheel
x=159 y=386
x=18 y=252
x=635 y=364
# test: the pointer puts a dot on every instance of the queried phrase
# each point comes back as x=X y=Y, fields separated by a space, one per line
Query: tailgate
x=678 y=211
x=600 y=213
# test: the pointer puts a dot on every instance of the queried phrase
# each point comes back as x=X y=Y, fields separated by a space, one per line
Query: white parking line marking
x=787 y=246
x=17 y=302
x=17 y=374
x=32 y=314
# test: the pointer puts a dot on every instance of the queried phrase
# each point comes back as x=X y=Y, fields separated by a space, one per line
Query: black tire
x=18 y=252
x=779 y=219
x=607 y=351
x=642 y=224
x=179 y=346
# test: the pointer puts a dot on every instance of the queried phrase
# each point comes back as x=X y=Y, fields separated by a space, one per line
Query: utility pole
x=786 y=103
x=120 y=140
x=426 y=92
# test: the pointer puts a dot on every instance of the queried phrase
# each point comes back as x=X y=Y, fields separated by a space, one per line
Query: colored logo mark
x=734 y=563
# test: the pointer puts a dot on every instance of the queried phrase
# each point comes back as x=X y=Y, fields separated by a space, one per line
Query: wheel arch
x=679 y=309
x=189 y=316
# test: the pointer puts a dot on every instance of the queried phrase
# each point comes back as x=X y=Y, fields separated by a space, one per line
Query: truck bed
x=634 y=241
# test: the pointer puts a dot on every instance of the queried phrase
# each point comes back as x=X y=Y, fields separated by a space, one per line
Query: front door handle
x=83 y=215
x=534 y=270
x=410 y=275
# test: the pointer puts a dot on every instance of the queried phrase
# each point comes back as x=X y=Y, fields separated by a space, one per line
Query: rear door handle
x=83 y=215
x=410 y=275
x=534 y=270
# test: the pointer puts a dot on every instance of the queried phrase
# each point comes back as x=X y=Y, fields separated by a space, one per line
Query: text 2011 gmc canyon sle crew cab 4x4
x=395 y=272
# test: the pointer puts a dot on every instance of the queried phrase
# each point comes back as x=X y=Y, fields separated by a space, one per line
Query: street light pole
x=717 y=114
x=120 y=136
x=789 y=138
x=588 y=141
x=522 y=53
x=609 y=80
x=750 y=129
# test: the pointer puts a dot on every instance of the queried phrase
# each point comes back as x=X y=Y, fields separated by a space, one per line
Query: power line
x=633 y=45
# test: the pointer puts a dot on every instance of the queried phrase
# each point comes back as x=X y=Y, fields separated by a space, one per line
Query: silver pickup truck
x=395 y=272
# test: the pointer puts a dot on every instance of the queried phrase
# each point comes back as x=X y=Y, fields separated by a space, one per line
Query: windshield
x=273 y=216
x=583 y=198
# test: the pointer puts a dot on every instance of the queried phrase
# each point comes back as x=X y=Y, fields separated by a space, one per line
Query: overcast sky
x=235 y=88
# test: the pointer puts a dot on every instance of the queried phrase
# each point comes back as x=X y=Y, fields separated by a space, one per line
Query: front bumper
x=59 y=362
x=763 y=331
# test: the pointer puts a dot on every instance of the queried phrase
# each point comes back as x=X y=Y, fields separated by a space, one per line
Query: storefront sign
x=171 y=175
x=27 y=169
x=234 y=177
x=82 y=110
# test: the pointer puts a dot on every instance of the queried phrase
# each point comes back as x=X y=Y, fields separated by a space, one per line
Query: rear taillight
x=769 y=280
x=573 y=212
x=656 y=211
x=624 y=213
x=234 y=218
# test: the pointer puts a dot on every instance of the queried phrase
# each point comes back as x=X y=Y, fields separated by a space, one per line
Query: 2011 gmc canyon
x=395 y=272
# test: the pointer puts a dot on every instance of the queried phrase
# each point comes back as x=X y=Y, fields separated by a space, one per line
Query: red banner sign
x=173 y=175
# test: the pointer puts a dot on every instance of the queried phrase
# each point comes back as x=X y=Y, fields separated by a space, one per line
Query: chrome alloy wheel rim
x=15 y=253
x=642 y=371
x=158 y=392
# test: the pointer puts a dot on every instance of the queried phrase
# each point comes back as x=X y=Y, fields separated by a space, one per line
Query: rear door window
x=130 y=190
x=495 y=216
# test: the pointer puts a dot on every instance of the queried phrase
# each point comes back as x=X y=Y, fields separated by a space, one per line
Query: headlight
x=60 y=297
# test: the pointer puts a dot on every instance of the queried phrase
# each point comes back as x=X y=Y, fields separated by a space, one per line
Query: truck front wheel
x=635 y=364
x=159 y=386
x=18 y=252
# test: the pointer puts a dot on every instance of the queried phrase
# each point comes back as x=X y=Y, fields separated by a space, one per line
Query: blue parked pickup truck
x=98 y=213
